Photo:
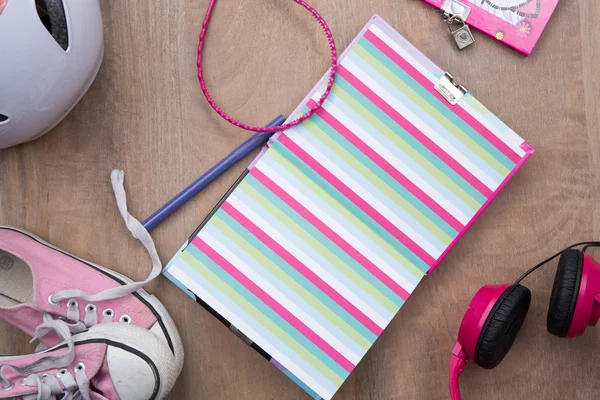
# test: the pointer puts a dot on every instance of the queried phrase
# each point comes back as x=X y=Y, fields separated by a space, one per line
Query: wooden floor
x=146 y=114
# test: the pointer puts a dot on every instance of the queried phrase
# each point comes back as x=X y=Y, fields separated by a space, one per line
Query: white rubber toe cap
x=133 y=377
x=141 y=366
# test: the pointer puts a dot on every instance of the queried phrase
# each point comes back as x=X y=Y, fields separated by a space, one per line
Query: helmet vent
x=3 y=118
x=52 y=15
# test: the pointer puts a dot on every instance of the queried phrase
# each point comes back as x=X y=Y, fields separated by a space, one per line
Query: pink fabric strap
x=298 y=120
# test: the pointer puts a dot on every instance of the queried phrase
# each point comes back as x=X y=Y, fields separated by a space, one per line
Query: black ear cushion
x=502 y=326
x=565 y=292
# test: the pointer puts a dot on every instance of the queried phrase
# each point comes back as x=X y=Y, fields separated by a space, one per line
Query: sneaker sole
x=158 y=309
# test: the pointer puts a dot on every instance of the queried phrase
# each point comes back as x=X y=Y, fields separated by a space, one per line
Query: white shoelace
x=47 y=385
x=78 y=388
x=139 y=232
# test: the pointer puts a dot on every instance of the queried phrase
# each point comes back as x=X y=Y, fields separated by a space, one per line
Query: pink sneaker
x=108 y=362
x=38 y=278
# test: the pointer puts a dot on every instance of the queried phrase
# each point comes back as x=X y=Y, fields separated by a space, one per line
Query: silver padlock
x=462 y=34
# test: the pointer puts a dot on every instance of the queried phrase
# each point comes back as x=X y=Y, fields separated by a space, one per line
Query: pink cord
x=298 y=120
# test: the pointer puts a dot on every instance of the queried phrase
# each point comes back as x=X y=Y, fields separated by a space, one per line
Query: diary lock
x=454 y=13
x=460 y=32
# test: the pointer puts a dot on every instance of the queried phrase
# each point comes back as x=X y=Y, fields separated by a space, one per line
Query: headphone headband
x=456 y=368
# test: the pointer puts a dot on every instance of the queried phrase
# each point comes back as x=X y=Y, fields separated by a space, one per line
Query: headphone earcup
x=565 y=292
x=502 y=326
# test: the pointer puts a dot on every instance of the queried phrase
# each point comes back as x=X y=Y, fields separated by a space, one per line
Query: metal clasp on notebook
x=450 y=90
x=455 y=8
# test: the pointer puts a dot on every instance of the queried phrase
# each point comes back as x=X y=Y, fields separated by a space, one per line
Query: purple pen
x=255 y=141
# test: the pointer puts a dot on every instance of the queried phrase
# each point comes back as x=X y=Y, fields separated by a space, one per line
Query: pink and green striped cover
x=327 y=234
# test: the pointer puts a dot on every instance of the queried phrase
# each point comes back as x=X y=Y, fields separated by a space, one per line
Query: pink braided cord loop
x=285 y=126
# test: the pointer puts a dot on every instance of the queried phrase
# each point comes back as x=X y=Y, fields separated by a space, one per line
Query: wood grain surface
x=146 y=114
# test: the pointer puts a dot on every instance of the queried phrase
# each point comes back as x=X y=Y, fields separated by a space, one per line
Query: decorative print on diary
x=517 y=23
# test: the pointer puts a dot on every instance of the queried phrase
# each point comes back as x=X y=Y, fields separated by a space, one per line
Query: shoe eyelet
x=108 y=312
x=43 y=377
x=80 y=367
x=5 y=388
x=61 y=372
x=125 y=318
x=52 y=301
x=23 y=381
x=72 y=303
x=90 y=308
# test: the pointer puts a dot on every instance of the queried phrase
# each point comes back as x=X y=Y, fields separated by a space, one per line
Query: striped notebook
x=325 y=236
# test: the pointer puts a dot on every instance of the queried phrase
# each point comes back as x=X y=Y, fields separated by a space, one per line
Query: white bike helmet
x=50 y=53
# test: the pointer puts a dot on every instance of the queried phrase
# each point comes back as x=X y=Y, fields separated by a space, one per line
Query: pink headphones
x=497 y=312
